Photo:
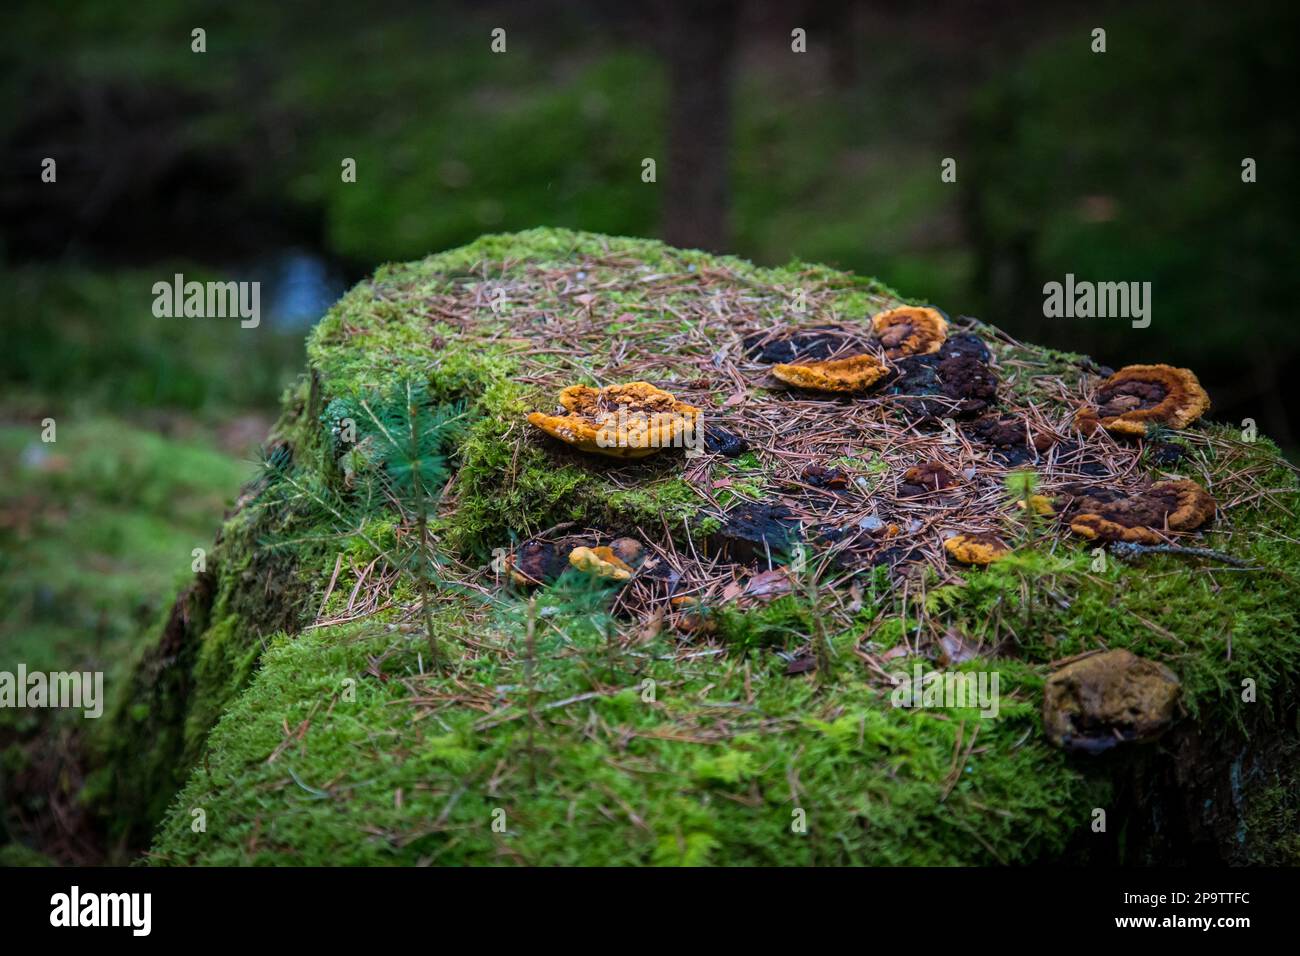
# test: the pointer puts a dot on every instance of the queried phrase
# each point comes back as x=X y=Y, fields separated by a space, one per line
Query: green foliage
x=98 y=527
x=398 y=454
x=399 y=450
x=1151 y=197
x=578 y=141
x=97 y=531
x=1021 y=484
x=66 y=325
x=412 y=439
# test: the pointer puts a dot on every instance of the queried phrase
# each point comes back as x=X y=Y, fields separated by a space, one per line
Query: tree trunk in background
x=831 y=23
x=701 y=41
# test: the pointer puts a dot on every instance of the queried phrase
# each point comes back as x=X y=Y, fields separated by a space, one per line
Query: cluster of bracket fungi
x=925 y=374
x=931 y=374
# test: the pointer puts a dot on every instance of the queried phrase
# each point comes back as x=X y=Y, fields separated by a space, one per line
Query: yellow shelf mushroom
x=910 y=330
x=981 y=549
x=621 y=421
x=857 y=373
x=602 y=562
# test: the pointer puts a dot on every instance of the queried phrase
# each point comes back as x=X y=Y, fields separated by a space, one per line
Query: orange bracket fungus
x=981 y=548
x=857 y=373
x=910 y=330
x=1138 y=517
x=622 y=421
x=1139 y=396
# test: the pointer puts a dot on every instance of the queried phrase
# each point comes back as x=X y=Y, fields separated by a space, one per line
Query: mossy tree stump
x=703 y=710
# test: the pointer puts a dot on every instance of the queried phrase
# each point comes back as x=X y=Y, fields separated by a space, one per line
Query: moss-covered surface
x=208 y=648
x=618 y=739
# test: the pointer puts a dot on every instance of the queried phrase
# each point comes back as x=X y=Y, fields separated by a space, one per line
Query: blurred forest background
x=1122 y=166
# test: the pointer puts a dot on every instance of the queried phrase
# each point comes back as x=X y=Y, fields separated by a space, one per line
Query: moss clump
x=1270 y=828
x=702 y=773
x=781 y=623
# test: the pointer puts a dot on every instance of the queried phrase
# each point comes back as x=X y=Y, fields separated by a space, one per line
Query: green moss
x=657 y=502
x=506 y=488
x=1271 y=820
x=773 y=625
x=704 y=771
x=226 y=660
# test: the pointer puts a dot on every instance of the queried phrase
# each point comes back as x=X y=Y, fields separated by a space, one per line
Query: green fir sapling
x=411 y=440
